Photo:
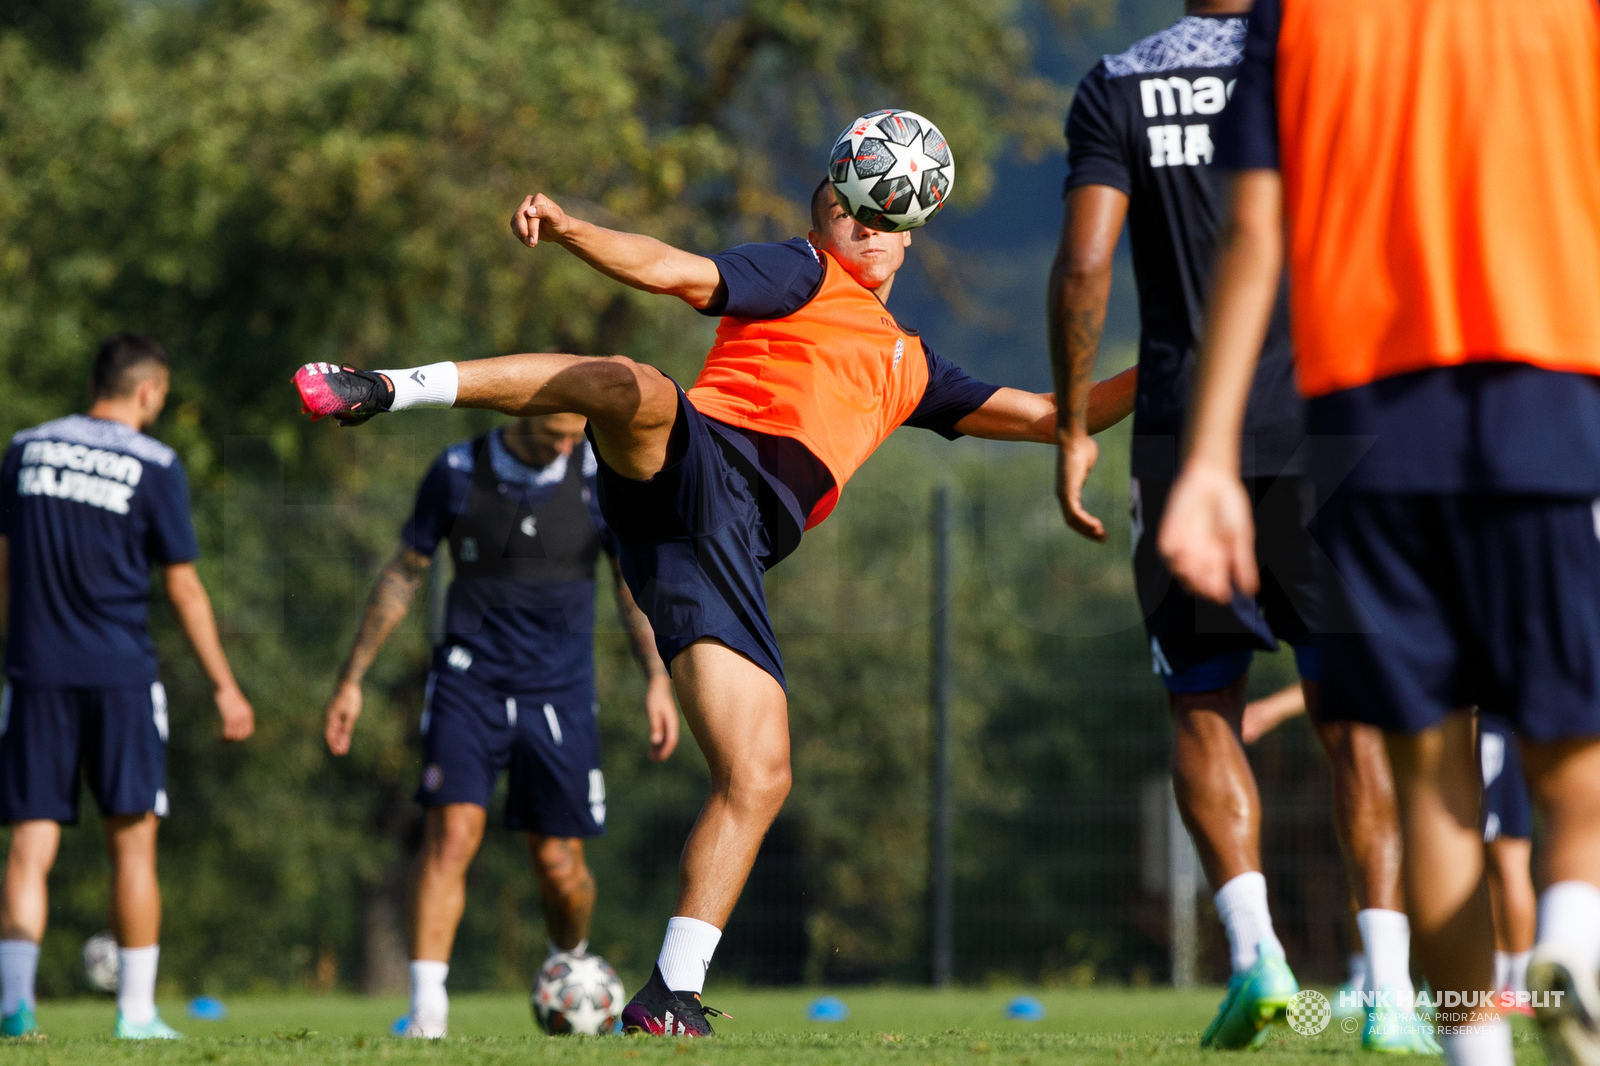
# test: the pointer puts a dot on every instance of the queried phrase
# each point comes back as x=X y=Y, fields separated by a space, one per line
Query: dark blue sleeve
x=440 y=498
x=1247 y=133
x=8 y=487
x=1096 y=153
x=170 y=536
x=767 y=280
x=950 y=397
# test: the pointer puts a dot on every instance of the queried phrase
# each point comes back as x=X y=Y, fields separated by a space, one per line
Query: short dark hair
x=119 y=356
x=822 y=201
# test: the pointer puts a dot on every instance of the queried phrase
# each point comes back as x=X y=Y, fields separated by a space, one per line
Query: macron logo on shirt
x=1175 y=145
x=79 y=473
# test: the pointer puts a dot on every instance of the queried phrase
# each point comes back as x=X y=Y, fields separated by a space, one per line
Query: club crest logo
x=1309 y=1012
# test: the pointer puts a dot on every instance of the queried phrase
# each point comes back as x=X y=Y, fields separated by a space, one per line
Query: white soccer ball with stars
x=100 y=965
x=577 y=994
x=892 y=170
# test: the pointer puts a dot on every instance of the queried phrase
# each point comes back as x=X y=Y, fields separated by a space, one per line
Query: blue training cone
x=1025 y=1009
x=827 y=1009
x=207 y=1009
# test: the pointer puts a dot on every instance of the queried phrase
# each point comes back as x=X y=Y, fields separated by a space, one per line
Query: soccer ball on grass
x=577 y=994
x=892 y=170
x=100 y=965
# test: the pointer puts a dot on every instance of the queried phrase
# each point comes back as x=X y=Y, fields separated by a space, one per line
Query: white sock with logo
x=1569 y=914
x=1242 y=906
x=430 y=1003
x=686 y=953
x=1488 y=1044
x=1386 y=938
x=136 y=983
x=433 y=385
x=19 y=963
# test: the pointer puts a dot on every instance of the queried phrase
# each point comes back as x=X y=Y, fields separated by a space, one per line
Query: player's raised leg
x=1564 y=777
x=451 y=836
x=22 y=922
x=740 y=716
x=630 y=406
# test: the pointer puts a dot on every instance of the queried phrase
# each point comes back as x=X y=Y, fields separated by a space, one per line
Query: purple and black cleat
x=659 y=1011
x=350 y=395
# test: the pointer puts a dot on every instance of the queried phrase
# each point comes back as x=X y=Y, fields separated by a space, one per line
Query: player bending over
x=88 y=504
x=708 y=489
x=1431 y=172
x=1139 y=149
x=512 y=682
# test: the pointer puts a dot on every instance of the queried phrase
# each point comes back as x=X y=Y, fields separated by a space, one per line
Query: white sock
x=1488 y=1044
x=1386 y=936
x=556 y=949
x=19 y=962
x=686 y=953
x=1358 y=971
x=1501 y=977
x=1569 y=914
x=1517 y=975
x=1242 y=905
x=430 y=1003
x=136 y=983
x=433 y=385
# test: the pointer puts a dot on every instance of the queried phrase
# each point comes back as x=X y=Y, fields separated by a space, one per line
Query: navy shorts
x=1507 y=809
x=50 y=737
x=550 y=743
x=1461 y=600
x=1200 y=646
x=694 y=545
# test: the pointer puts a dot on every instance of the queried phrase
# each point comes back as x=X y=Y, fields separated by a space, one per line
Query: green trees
x=260 y=183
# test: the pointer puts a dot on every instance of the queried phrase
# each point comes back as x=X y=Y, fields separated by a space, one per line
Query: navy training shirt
x=1141 y=122
x=521 y=637
x=766 y=281
x=89 y=506
x=1483 y=427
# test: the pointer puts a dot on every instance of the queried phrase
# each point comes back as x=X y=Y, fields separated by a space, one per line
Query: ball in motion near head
x=577 y=994
x=892 y=170
x=100 y=964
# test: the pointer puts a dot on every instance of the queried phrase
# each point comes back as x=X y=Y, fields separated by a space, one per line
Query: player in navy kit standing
x=1139 y=149
x=88 y=504
x=512 y=682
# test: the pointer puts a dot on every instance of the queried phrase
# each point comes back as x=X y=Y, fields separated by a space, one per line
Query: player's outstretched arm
x=193 y=608
x=391 y=598
x=1080 y=287
x=1011 y=414
x=631 y=258
x=1208 y=535
x=660 y=709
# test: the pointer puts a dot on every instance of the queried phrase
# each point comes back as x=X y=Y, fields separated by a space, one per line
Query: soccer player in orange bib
x=1430 y=169
x=708 y=489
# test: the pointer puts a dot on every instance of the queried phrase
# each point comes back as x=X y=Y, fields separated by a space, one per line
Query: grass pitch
x=1116 y=1028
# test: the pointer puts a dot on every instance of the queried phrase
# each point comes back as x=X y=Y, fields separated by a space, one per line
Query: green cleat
x=22 y=1023
x=1256 y=997
x=154 y=1029
x=1394 y=1028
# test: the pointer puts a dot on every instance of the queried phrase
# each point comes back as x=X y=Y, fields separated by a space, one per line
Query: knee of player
x=635 y=392
x=763 y=783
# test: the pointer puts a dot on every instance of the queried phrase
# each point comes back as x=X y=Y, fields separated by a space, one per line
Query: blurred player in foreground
x=1431 y=170
x=707 y=490
x=1139 y=149
x=1507 y=841
x=512 y=682
x=88 y=504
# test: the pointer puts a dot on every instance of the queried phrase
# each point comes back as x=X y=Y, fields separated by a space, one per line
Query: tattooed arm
x=1080 y=286
x=659 y=708
x=390 y=600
